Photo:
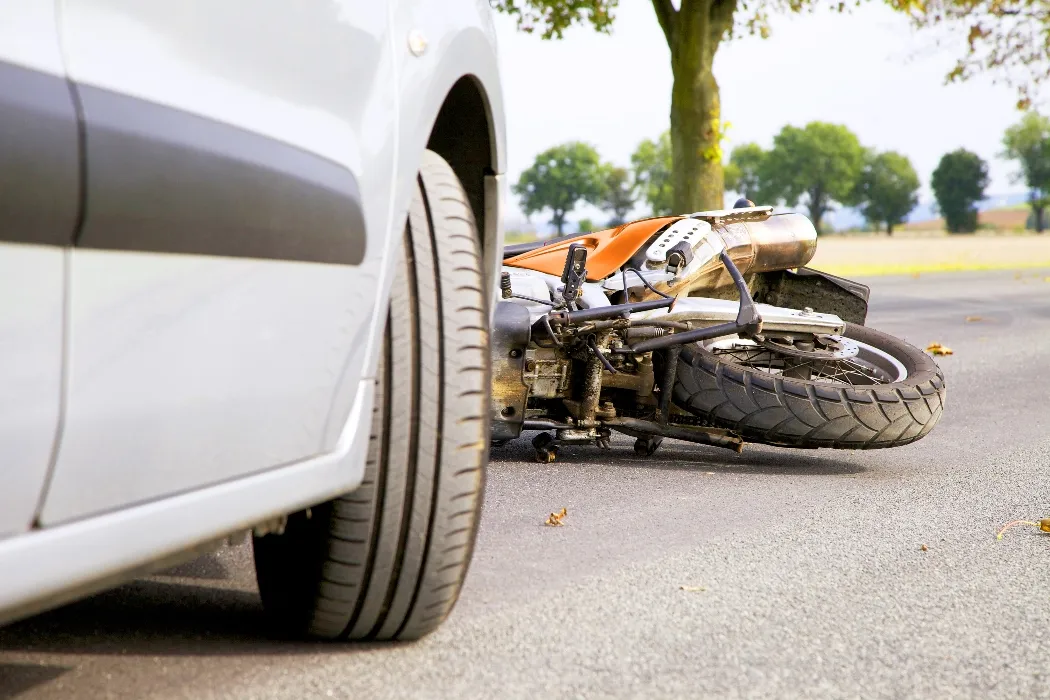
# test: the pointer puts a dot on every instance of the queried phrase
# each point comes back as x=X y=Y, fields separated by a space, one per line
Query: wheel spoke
x=849 y=371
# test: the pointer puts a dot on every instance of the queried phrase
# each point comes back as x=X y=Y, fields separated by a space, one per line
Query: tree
x=958 y=184
x=1028 y=142
x=618 y=195
x=652 y=173
x=745 y=173
x=888 y=189
x=816 y=165
x=559 y=179
x=1008 y=37
x=1003 y=34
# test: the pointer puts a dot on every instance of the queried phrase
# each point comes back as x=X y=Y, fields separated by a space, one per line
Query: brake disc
x=836 y=347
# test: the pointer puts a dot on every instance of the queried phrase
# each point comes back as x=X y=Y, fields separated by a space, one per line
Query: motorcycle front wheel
x=862 y=390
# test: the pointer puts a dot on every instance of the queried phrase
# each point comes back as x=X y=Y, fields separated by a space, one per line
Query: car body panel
x=222 y=287
x=53 y=565
x=39 y=194
x=460 y=42
x=213 y=385
x=306 y=74
x=189 y=370
x=30 y=376
x=29 y=37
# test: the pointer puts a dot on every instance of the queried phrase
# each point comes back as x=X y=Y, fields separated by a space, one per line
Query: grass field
x=869 y=255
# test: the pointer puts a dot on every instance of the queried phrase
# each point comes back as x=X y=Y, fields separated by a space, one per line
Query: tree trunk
x=559 y=221
x=1038 y=212
x=889 y=228
x=817 y=206
x=816 y=215
x=693 y=35
x=697 y=178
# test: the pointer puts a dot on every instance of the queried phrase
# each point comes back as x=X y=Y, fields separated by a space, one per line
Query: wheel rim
x=868 y=366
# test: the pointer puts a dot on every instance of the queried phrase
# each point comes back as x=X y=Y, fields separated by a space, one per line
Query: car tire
x=387 y=561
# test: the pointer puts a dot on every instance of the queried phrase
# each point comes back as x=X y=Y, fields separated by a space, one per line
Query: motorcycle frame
x=685 y=319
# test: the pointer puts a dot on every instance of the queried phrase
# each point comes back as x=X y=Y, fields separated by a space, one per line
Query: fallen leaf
x=924 y=548
x=1043 y=525
x=915 y=275
x=974 y=319
x=1017 y=275
x=693 y=589
x=938 y=349
x=555 y=519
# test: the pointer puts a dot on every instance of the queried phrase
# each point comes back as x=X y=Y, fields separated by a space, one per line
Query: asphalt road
x=805 y=572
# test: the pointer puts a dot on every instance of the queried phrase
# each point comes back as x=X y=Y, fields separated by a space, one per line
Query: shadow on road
x=16 y=679
x=155 y=618
x=790 y=463
x=683 y=457
x=207 y=567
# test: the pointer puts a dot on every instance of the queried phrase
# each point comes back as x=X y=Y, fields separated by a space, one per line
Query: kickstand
x=546 y=448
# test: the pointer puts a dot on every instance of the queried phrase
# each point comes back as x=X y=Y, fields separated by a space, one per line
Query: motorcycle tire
x=769 y=408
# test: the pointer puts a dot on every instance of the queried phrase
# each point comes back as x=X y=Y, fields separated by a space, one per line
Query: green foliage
x=618 y=195
x=958 y=184
x=818 y=164
x=585 y=226
x=888 y=189
x=1010 y=38
x=1028 y=143
x=745 y=172
x=559 y=179
x=651 y=162
x=555 y=16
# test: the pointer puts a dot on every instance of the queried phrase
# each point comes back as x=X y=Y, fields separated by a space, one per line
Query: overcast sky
x=867 y=70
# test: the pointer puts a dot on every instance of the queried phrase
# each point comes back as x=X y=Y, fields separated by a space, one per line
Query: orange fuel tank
x=607 y=250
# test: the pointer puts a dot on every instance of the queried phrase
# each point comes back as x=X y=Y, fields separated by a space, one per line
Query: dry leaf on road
x=555 y=519
x=974 y=319
x=938 y=349
x=692 y=589
x=1043 y=525
x=924 y=548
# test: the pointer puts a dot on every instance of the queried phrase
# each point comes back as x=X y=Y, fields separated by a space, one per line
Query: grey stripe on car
x=158 y=179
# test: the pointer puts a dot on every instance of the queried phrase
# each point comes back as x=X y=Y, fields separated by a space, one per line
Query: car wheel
x=388 y=560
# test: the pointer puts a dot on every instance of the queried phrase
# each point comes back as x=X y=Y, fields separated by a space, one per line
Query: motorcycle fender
x=818 y=290
x=511 y=331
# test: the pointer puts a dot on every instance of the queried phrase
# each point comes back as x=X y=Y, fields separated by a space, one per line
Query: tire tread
x=389 y=560
x=725 y=394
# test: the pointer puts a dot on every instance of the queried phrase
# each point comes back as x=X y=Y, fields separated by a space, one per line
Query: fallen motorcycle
x=707 y=328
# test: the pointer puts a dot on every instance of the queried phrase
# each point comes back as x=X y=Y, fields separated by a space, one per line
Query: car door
x=39 y=194
x=238 y=159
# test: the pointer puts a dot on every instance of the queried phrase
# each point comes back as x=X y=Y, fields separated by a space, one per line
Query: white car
x=247 y=257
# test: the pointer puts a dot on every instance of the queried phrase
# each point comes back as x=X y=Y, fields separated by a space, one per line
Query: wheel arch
x=439 y=91
x=467 y=135
x=463 y=135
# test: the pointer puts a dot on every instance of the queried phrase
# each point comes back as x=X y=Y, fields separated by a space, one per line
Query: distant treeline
x=816 y=167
